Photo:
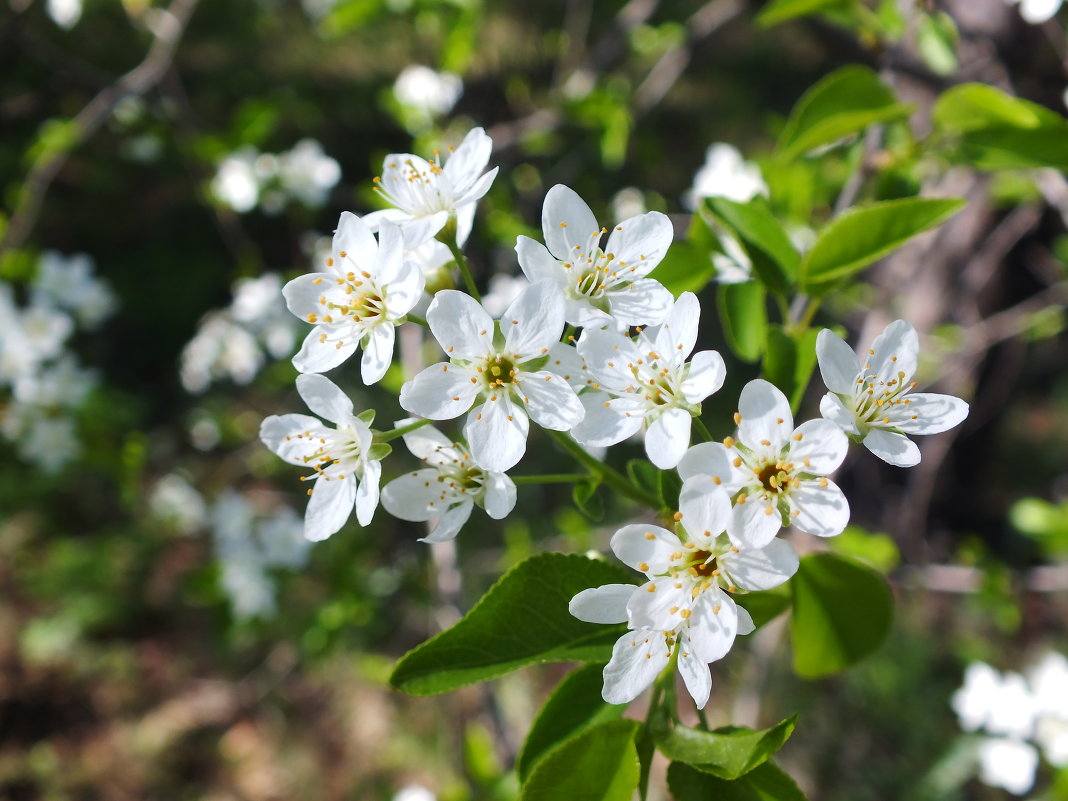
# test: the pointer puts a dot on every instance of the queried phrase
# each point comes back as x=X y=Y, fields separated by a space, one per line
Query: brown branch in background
x=166 y=33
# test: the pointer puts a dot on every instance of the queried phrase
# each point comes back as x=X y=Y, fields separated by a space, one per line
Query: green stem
x=415 y=318
x=644 y=741
x=610 y=476
x=702 y=429
x=701 y=717
x=465 y=270
x=386 y=436
x=552 y=478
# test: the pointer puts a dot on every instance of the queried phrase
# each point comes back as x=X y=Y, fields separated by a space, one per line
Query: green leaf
x=778 y=11
x=521 y=620
x=842 y=612
x=765 y=605
x=601 y=764
x=669 y=486
x=936 y=39
x=765 y=783
x=644 y=474
x=994 y=130
x=744 y=317
x=589 y=502
x=859 y=236
x=685 y=268
x=574 y=706
x=774 y=256
x=789 y=362
x=729 y=752
x=845 y=102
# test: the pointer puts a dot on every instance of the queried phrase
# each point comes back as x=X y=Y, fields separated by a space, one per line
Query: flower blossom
x=776 y=474
x=874 y=403
x=346 y=467
x=426 y=195
x=725 y=173
x=648 y=382
x=599 y=285
x=685 y=603
x=448 y=489
x=501 y=366
x=1037 y=11
x=364 y=293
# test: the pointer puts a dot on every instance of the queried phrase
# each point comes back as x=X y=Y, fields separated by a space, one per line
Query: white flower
x=59 y=385
x=65 y=13
x=733 y=265
x=260 y=307
x=220 y=348
x=685 y=602
x=68 y=282
x=50 y=442
x=873 y=403
x=998 y=704
x=177 y=503
x=599 y=285
x=236 y=183
x=365 y=292
x=426 y=194
x=726 y=174
x=307 y=173
x=429 y=92
x=346 y=472
x=649 y=382
x=1037 y=11
x=500 y=365
x=448 y=489
x=1008 y=764
x=775 y=473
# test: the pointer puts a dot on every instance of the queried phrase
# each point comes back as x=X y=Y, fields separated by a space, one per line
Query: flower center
x=774 y=477
x=873 y=397
x=499 y=370
x=704 y=565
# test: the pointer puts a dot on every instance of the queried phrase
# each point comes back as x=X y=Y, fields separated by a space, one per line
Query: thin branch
x=135 y=83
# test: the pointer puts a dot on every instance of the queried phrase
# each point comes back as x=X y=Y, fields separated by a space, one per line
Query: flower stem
x=415 y=318
x=702 y=429
x=610 y=476
x=386 y=436
x=552 y=478
x=465 y=269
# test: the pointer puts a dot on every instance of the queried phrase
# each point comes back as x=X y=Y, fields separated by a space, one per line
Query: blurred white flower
x=414 y=792
x=1008 y=764
x=725 y=173
x=68 y=282
x=49 y=443
x=247 y=178
x=65 y=13
x=235 y=182
x=428 y=91
x=307 y=173
x=999 y=704
x=220 y=349
x=62 y=385
x=1037 y=11
x=503 y=289
x=177 y=503
x=628 y=202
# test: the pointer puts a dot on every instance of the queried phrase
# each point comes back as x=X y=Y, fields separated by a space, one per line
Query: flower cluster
x=1016 y=712
x=594 y=349
x=248 y=178
x=47 y=385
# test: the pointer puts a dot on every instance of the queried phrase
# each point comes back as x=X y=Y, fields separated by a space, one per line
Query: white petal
x=766 y=416
x=377 y=353
x=465 y=214
x=641 y=241
x=405 y=290
x=659 y=604
x=353 y=237
x=678 y=334
x=752 y=525
x=706 y=459
x=761 y=568
x=537 y=263
x=695 y=672
x=643 y=302
x=325 y=398
x=645 y=547
x=500 y=496
x=460 y=325
x=894 y=351
x=832 y=408
x=318 y=357
x=934 y=413
x=367 y=493
x=302 y=294
x=420 y=230
x=551 y=401
x=607 y=354
x=607 y=604
x=637 y=659
x=895 y=449
x=429 y=444
x=533 y=322
x=821 y=443
x=838 y=363
x=466 y=163
x=415 y=496
x=704 y=375
x=668 y=438
x=713 y=625
x=607 y=421
x=280 y=434
x=564 y=360
x=330 y=505
x=824 y=510
x=745 y=621
x=440 y=392
x=497 y=434
x=450 y=523
x=567 y=221
x=705 y=508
